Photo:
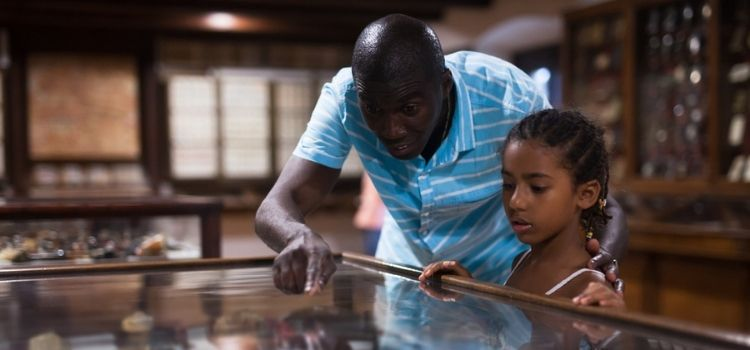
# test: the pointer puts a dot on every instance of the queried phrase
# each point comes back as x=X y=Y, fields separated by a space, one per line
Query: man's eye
x=371 y=109
x=410 y=109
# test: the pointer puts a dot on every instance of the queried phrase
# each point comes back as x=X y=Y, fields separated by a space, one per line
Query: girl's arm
x=447 y=267
x=599 y=294
x=436 y=269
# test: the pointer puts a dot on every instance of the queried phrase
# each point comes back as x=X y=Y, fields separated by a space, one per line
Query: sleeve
x=533 y=99
x=325 y=141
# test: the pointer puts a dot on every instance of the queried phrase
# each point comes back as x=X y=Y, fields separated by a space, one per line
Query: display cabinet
x=669 y=81
x=594 y=82
x=679 y=76
x=96 y=229
x=366 y=304
x=734 y=80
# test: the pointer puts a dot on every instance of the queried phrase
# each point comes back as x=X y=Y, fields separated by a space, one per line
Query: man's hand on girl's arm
x=611 y=246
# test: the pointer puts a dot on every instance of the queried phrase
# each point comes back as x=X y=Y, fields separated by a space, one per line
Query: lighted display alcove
x=83 y=107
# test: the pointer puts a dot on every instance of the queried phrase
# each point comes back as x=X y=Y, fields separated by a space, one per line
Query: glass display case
x=678 y=73
x=735 y=80
x=41 y=231
x=367 y=304
x=685 y=87
x=671 y=85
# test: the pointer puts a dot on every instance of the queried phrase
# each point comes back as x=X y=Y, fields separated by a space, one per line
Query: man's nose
x=394 y=128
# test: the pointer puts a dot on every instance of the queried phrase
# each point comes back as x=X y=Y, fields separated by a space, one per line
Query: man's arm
x=611 y=245
x=304 y=262
x=615 y=238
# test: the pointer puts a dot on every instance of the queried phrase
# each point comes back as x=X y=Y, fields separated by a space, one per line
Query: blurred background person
x=369 y=216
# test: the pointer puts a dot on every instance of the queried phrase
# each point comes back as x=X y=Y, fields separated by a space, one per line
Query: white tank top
x=561 y=283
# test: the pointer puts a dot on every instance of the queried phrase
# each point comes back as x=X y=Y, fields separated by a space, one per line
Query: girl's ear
x=587 y=194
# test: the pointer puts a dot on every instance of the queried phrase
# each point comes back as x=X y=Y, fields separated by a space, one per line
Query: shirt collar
x=460 y=138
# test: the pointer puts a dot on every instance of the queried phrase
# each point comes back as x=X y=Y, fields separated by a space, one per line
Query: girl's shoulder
x=577 y=282
x=519 y=257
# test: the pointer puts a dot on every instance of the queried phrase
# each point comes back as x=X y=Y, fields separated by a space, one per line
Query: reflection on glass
x=240 y=308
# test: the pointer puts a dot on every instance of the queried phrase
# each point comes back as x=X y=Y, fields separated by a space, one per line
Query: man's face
x=402 y=113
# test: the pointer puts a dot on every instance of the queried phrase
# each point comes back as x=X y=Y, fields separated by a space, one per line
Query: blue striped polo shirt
x=449 y=207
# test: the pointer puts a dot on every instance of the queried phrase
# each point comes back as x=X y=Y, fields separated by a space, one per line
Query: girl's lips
x=520 y=226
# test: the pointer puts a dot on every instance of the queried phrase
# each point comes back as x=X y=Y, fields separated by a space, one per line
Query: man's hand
x=604 y=261
x=305 y=265
x=611 y=244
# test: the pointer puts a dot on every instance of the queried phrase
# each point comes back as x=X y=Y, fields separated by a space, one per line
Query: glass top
x=239 y=308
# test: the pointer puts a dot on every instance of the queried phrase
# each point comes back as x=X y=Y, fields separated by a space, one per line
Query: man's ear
x=587 y=194
x=447 y=82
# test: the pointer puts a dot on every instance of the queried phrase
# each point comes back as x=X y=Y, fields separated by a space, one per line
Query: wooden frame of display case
x=253 y=276
x=713 y=182
x=207 y=209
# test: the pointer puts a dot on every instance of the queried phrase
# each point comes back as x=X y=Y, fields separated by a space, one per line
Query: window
x=241 y=123
x=245 y=109
x=193 y=127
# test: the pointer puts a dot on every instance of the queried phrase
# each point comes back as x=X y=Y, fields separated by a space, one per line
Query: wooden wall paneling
x=273 y=97
x=633 y=269
x=628 y=93
x=701 y=290
x=746 y=300
x=16 y=136
x=566 y=62
x=713 y=58
x=151 y=122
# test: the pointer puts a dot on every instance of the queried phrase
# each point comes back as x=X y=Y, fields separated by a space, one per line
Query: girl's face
x=539 y=194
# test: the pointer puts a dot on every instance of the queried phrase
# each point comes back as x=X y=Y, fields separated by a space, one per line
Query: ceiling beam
x=303 y=19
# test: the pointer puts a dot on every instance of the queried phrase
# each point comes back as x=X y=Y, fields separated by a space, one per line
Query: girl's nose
x=517 y=200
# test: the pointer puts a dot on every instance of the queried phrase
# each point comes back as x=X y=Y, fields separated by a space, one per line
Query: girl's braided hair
x=580 y=144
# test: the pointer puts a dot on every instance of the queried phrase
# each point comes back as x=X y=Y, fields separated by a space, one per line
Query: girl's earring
x=589 y=230
x=602 y=203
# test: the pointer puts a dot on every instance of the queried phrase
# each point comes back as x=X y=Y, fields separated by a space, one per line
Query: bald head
x=397 y=46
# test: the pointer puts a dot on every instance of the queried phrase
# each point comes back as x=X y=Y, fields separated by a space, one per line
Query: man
x=428 y=129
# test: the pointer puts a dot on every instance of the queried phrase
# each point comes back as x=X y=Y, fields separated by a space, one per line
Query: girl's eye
x=508 y=186
x=538 y=189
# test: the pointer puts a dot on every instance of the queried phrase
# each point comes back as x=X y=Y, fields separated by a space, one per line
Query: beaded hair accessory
x=589 y=230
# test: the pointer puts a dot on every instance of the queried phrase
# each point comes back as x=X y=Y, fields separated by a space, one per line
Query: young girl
x=555 y=172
